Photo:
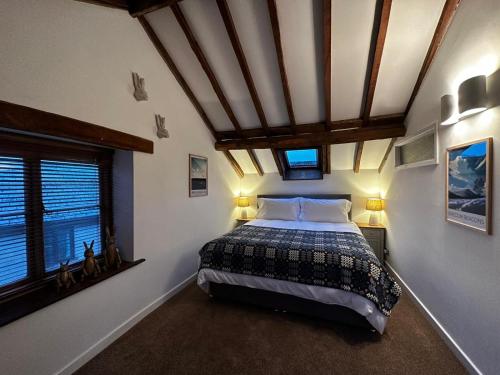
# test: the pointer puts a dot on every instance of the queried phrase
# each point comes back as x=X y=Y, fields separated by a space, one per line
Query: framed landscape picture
x=468 y=184
x=198 y=176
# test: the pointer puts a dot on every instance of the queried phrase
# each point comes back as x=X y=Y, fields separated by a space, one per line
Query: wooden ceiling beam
x=177 y=74
x=230 y=158
x=187 y=90
x=138 y=8
x=316 y=127
x=380 y=24
x=255 y=162
x=357 y=156
x=200 y=55
x=247 y=75
x=327 y=61
x=386 y=155
x=275 y=25
x=447 y=14
x=379 y=32
x=118 y=4
x=315 y=139
x=277 y=161
x=195 y=46
x=240 y=55
x=326 y=159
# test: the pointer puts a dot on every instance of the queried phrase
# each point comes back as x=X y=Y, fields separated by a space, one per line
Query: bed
x=320 y=269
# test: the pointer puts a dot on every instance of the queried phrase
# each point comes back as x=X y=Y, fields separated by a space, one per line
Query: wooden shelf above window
x=25 y=119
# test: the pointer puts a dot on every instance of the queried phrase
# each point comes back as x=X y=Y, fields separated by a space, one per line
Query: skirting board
x=450 y=342
x=100 y=345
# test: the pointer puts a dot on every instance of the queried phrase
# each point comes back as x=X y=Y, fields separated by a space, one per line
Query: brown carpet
x=191 y=334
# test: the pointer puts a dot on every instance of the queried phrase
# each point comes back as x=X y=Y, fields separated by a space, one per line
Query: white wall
x=76 y=59
x=454 y=271
x=360 y=185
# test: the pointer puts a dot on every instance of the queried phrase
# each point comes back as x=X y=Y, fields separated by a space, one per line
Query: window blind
x=53 y=197
x=71 y=211
x=13 y=234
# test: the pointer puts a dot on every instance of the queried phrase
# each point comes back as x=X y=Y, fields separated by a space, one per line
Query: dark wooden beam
x=277 y=161
x=138 y=8
x=449 y=10
x=315 y=139
x=327 y=61
x=326 y=159
x=240 y=55
x=195 y=46
x=200 y=55
x=316 y=127
x=234 y=164
x=357 y=156
x=380 y=24
x=255 y=162
x=118 y=4
x=20 y=118
x=275 y=25
x=177 y=74
x=386 y=155
x=187 y=90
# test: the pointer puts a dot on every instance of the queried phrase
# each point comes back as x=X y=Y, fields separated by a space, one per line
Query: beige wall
x=360 y=185
x=454 y=271
x=76 y=59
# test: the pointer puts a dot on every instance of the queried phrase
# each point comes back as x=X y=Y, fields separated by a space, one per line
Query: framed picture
x=468 y=184
x=198 y=176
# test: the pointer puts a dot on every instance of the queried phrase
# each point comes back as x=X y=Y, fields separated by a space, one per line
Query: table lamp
x=243 y=202
x=375 y=205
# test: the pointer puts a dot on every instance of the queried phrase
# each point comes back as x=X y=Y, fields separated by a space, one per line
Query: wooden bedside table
x=243 y=221
x=375 y=235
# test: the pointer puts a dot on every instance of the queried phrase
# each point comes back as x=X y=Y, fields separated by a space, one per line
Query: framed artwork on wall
x=198 y=176
x=468 y=184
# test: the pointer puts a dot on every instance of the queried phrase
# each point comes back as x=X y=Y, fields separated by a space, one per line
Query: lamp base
x=374 y=218
x=244 y=213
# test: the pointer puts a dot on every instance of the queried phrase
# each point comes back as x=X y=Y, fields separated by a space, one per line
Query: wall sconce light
x=472 y=97
x=449 y=110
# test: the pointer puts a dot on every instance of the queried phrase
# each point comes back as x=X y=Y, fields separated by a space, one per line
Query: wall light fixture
x=449 y=110
x=472 y=96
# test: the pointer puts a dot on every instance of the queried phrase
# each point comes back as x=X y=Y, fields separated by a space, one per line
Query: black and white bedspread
x=338 y=260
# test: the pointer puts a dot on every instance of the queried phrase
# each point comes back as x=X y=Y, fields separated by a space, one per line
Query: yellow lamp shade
x=243 y=202
x=375 y=204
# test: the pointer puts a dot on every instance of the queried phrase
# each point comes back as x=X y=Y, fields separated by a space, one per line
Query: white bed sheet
x=306 y=225
x=322 y=294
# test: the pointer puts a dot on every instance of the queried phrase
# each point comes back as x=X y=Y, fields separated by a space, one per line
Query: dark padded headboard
x=310 y=196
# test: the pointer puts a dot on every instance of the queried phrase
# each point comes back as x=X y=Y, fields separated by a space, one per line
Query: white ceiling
x=409 y=34
x=350 y=49
x=410 y=30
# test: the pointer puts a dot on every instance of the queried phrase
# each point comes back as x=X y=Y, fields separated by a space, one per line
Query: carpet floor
x=192 y=334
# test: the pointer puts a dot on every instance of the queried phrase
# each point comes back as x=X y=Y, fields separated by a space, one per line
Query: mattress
x=324 y=294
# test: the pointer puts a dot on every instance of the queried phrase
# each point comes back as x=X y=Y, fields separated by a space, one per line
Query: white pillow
x=278 y=209
x=325 y=210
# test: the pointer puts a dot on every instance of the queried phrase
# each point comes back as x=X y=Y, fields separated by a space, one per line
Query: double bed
x=321 y=269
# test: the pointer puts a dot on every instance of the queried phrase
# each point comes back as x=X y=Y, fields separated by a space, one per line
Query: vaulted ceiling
x=267 y=74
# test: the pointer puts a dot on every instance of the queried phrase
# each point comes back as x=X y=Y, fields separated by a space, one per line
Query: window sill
x=31 y=301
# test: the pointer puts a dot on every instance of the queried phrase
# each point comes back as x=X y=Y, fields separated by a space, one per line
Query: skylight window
x=307 y=158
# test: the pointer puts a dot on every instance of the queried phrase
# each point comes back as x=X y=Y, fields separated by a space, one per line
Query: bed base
x=288 y=303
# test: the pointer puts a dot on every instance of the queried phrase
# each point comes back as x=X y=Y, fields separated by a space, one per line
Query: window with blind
x=53 y=197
